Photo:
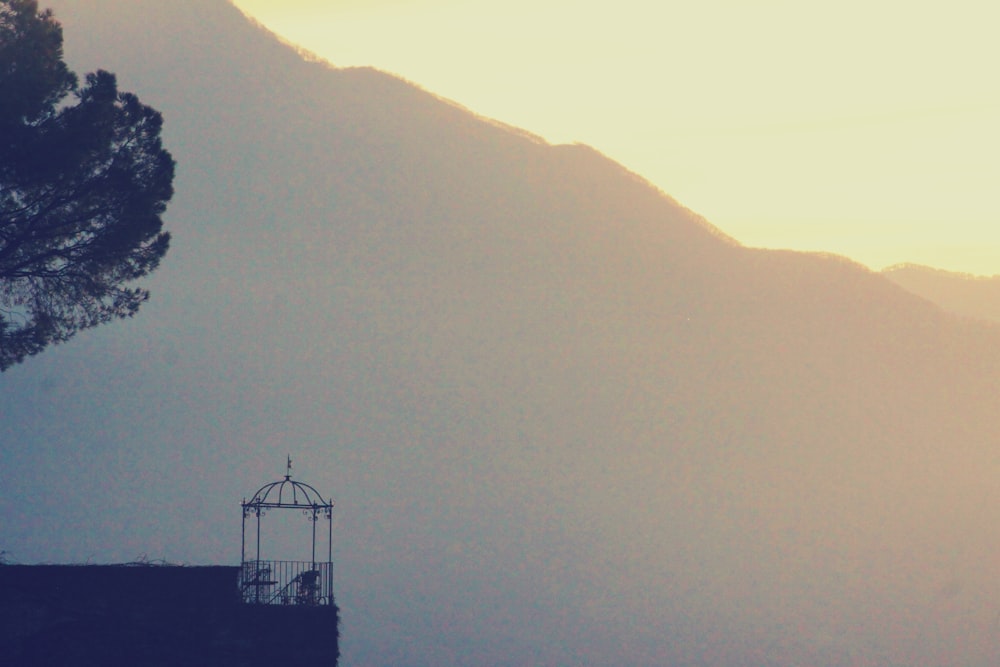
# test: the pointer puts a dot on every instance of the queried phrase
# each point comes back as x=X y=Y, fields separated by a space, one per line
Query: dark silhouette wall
x=56 y=615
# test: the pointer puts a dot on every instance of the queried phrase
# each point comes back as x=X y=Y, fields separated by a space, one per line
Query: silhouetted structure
x=287 y=582
x=89 y=616
x=265 y=612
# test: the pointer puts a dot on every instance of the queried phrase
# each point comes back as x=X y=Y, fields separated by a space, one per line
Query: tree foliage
x=84 y=180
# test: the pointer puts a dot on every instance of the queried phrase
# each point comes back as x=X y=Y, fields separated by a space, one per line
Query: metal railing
x=286 y=582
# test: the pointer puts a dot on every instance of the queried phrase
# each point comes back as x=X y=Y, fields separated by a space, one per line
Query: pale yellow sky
x=868 y=128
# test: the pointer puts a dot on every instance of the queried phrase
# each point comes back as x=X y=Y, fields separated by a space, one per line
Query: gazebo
x=286 y=582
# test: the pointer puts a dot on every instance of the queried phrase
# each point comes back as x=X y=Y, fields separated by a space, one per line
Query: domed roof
x=287 y=493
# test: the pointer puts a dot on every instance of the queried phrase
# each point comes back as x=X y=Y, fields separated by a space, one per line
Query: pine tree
x=84 y=181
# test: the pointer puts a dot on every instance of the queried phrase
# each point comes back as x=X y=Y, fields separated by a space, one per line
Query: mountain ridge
x=961 y=293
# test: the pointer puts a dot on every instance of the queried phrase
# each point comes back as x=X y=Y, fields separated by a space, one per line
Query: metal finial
x=288 y=468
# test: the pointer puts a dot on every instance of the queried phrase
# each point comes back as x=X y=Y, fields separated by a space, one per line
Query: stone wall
x=146 y=616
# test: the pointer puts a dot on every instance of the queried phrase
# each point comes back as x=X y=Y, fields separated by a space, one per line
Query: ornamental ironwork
x=286 y=582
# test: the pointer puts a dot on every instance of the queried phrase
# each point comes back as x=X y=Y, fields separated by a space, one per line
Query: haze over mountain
x=972 y=296
x=565 y=421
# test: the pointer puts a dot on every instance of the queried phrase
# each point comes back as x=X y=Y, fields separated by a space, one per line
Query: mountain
x=565 y=421
x=963 y=294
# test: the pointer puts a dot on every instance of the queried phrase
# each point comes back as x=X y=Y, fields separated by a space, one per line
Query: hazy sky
x=866 y=128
